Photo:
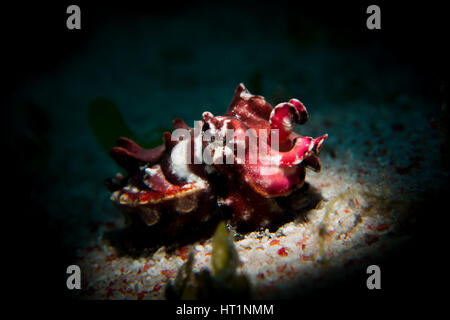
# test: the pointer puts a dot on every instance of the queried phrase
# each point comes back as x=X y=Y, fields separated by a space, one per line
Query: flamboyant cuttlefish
x=236 y=165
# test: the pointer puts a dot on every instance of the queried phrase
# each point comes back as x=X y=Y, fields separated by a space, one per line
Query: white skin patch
x=151 y=171
x=288 y=124
x=245 y=95
x=179 y=162
x=207 y=114
x=271 y=115
x=131 y=189
x=311 y=145
x=320 y=144
x=268 y=171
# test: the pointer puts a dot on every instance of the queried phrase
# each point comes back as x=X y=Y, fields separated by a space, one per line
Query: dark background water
x=195 y=54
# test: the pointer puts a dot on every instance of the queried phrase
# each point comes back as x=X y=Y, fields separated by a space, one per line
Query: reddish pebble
x=274 y=242
x=183 y=253
x=156 y=287
x=282 y=252
x=280 y=269
x=291 y=271
x=168 y=273
x=146 y=267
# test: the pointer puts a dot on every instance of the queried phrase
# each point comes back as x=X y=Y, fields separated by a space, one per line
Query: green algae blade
x=224 y=256
x=107 y=123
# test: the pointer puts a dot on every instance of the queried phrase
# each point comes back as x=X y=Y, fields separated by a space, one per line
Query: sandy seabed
x=367 y=191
